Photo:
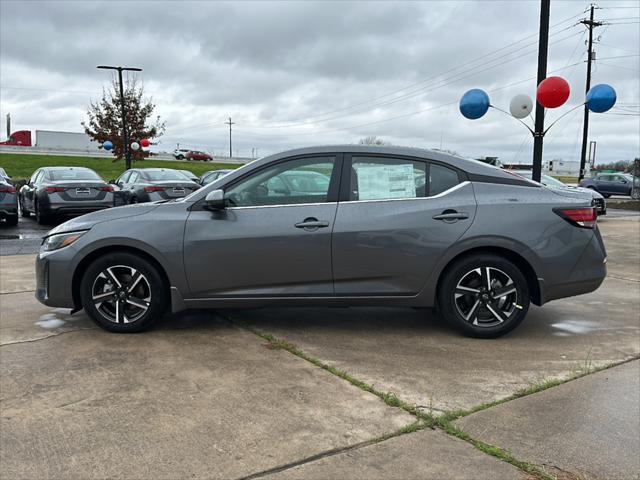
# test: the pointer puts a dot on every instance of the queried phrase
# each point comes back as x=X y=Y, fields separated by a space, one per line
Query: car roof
x=468 y=165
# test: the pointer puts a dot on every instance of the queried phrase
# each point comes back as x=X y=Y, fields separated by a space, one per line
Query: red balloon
x=553 y=92
x=145 y=143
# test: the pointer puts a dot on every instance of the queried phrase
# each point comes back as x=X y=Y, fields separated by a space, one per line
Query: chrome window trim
x=439 y=195
x=282 y=205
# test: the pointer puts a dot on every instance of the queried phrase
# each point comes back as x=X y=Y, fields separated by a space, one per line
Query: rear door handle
x=451 y=216
x=312 y=224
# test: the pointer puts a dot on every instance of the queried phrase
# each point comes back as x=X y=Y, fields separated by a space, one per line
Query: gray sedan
x=141 y=185
x=342 y=226
x=69 y=191
x=8 y=202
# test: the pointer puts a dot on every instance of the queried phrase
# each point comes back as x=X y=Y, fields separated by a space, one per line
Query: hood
x=87 y=221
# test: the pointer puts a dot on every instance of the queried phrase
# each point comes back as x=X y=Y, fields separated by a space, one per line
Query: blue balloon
x=601 y=98
x=107 y=145
x=474 y=104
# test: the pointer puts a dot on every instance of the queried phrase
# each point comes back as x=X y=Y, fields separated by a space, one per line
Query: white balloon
x=135 y=146
x=521 y=106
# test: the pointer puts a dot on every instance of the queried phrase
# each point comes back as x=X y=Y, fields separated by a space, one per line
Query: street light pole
x=543 y=46
x=125 y=134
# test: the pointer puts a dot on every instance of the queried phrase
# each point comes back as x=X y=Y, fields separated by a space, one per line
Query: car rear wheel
x=123 y=293
x=23 y=211
x=483 y=295
x=12 y=220
x=41 y=217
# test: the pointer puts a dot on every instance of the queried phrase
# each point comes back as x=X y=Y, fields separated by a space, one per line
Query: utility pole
x=585 y=126
x=125 y=134
x=543 y=47
x=230 y=123
x=8 y=125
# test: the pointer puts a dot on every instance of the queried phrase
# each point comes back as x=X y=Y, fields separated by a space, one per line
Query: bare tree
x=105 y=118
x=372 y=140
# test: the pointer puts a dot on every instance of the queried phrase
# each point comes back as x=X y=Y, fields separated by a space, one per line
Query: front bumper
x=55 y=266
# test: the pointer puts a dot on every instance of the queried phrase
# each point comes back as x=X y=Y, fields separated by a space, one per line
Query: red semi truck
x=21 y=138
x=52 y=140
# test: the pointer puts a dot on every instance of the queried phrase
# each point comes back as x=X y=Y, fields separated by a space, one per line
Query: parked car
x=609 y=184
x=198 y=155
x=69 y=191
x=150 y=184
x=5 y=176
x=598 y=200
x=190 y=175
x=180 y=153
x=8 y=203
x=479 y=242
x=210 y=176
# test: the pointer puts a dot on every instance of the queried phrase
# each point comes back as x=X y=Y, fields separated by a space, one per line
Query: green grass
x=20 y=166
x=565 y=179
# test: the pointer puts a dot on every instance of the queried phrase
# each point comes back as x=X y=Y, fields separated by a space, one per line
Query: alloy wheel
x=486 y=297
x=121 y=294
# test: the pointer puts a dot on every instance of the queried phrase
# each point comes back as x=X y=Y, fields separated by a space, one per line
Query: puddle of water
x=50 y=321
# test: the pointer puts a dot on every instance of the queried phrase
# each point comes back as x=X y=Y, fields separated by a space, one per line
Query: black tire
x=23 y=211
x=133 y=200
x=41 y=218
x=12 y=221
x=150 y=290
x=489 y=316
x=605 y=195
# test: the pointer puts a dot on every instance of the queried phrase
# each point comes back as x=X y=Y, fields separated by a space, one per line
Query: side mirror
x=215 y=200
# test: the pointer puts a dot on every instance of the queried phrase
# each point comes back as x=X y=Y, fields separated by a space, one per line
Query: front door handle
x=311 y=224
x=451 y=216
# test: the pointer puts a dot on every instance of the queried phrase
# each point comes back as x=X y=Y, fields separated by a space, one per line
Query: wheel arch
x=93 y=255
x=517 y=259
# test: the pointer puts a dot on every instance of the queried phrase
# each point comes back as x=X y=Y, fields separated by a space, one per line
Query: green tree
x=105 y=118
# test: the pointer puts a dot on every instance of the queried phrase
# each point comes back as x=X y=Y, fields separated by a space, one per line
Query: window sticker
x=378 y=181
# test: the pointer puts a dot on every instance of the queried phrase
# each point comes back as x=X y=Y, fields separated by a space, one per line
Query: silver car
x=597 y=200
x=69 y=191
x=8 y=203
x=141 y=185
x=341 y=226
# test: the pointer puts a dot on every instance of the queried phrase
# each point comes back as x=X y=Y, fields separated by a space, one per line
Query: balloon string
x=507 y=113
x=563 y=115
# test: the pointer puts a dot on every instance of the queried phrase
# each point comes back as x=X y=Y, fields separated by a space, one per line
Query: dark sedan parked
x=608 y=184
x=64 y=191
x=8 y=202
x=356 y=225
x=150 y=184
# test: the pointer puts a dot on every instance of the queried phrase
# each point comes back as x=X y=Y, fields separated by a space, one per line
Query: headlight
x=60 y=240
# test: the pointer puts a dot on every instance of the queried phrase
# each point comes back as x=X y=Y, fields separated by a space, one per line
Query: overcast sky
x=306 y=73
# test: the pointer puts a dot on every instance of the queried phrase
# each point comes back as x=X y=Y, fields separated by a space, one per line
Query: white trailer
x=51 y=140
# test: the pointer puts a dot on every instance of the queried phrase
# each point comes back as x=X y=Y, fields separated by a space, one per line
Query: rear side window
x=379 y=178
x=441 y=179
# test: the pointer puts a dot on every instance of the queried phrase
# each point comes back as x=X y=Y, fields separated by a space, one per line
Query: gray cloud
x=289 y=63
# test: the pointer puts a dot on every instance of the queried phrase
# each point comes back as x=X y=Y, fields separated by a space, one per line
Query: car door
x=266 y=242
x=619 y=185
x=604 y=184
x=30 y=190
x=395 y=219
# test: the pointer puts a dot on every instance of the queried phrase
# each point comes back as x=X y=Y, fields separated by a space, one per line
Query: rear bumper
x=586 y=276
x=8 y=212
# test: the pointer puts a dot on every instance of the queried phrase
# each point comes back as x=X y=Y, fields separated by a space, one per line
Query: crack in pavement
x=624 y=278
x=31 y=340
x=19 y=291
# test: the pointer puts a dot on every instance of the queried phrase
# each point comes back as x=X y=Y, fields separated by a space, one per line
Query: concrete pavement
x=590 y=426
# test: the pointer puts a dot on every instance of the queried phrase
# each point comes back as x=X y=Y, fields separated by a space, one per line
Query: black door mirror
x=215 y=200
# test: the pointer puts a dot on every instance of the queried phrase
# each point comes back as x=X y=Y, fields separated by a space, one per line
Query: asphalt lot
x=214 y=395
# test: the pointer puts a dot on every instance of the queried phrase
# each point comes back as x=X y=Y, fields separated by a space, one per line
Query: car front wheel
x=123 y=293
x=483 y=295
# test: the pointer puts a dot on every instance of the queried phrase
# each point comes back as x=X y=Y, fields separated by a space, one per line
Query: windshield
x=162 y=175
x=73 y=174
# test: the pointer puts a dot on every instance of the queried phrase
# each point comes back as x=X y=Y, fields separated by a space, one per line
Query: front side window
x=377 y=178
x=294 y=182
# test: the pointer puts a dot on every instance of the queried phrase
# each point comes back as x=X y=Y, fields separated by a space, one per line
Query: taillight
x=106 y=189
x=51 y=190
x=153 y=189
x=8 y=189
x=580 y=217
